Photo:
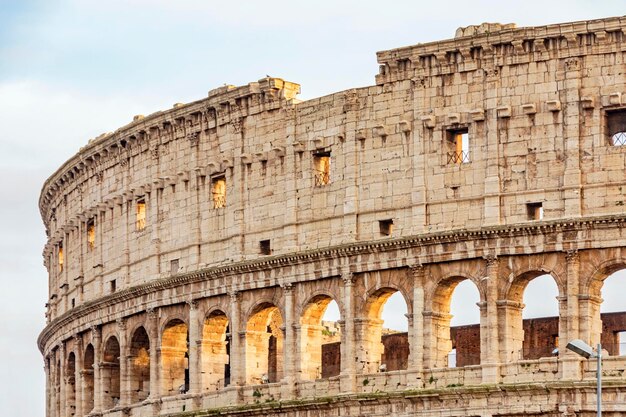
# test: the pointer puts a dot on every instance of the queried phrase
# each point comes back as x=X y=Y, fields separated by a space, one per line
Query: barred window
x=140 y=210
x=458 y=145
x=218 y=189
x=321 y=164
x=616 y=123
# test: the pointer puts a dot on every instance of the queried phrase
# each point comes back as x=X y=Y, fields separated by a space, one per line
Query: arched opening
x=454 y=324
x=613 y=313
x=464 y=325
x=264 y=345
x=319 y=339
x=110 y=372
x=88 y=385
x=215 y=352
x=533 y=317
x=139 y=366
x=70 y=384
x=175 y=358
x=384 y=343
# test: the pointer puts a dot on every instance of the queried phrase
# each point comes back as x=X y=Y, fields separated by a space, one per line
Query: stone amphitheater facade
x=192 y=252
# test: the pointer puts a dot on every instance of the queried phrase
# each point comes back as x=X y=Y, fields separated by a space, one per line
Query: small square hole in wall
x=265 y=247
x=174 y=266
x=112 y=285
x=386 y=227
x=535 y=211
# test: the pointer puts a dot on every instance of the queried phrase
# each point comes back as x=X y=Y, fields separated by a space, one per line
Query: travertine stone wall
x=192 y=252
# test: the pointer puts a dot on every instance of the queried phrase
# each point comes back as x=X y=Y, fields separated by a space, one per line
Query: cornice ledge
x=448 y=236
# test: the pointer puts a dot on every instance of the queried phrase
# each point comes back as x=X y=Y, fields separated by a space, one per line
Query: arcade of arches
x=274 y=336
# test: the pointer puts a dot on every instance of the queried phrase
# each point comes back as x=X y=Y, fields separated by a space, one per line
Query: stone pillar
x=369 y=346
x=489 y=341
x=195 y=336
x=573 y=290
x=437 y=343
x=289 y=345
x=237 y=342
x=152 y=328
x=78 y=380
x=570 y=117
x=96 y=337
x=124 y=363
x=416 y=321
x=590 y=320
x=62 y=381
x=348 y=334
x=510 y=330
x=49 y=384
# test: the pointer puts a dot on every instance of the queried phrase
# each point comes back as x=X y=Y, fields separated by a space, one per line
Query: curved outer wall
x=249 y=207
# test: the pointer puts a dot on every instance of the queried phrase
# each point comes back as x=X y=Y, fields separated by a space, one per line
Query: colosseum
x=193 y=252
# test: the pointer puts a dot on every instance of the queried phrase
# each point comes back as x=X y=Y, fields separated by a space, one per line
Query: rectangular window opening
x=218 y=189
x=112 y=285
x=321 y=166
x=61 y=257
x=535 y=211
x=91 y=234
x=174 y=266
x=386 y=227
x=616 y=125
x=141 y=214
x=73 y=303
x=458 y=146
x=265 y=247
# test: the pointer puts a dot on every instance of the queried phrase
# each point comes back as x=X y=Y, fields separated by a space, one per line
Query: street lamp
x=586 y=351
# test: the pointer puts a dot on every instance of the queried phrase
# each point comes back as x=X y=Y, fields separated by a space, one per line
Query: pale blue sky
x=70 y=70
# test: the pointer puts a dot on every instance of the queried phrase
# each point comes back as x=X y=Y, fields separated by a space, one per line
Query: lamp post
x=581 y=348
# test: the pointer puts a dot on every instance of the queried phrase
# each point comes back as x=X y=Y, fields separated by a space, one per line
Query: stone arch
x=110 y=373
x=88 y=381
x=518 y=341
x=371 y=352
x=438 y=335
x=175 y=357
x=264 y=344
x=594 y=328
x=312 y=336
x=139 y=365
x=215 y=350
x=70 y=384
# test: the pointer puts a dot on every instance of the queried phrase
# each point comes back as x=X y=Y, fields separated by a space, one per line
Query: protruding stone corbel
x=380 y=131
x=227 y=162
x=453 y=118
x=246 y=158
x=318 y=143
x=278 y=151
x=361 y=134
x=298 y=146
x=477 y=115
x=553 y=105
x=429 y=121
x=183 y=176
x=587 y=102
x=503 y=112
x=529 y=108
x=403 y=126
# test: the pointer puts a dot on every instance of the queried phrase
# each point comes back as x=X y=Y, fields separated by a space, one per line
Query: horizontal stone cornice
x=346 y=251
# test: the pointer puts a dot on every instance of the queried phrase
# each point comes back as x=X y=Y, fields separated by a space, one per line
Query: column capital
x=192 y=303
x=95 y=333
x=287 y=287
x=121 y=324
x=491 y=260
x=234 y=296
x=348 y=278
x=151 y=312
x=572 y=256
